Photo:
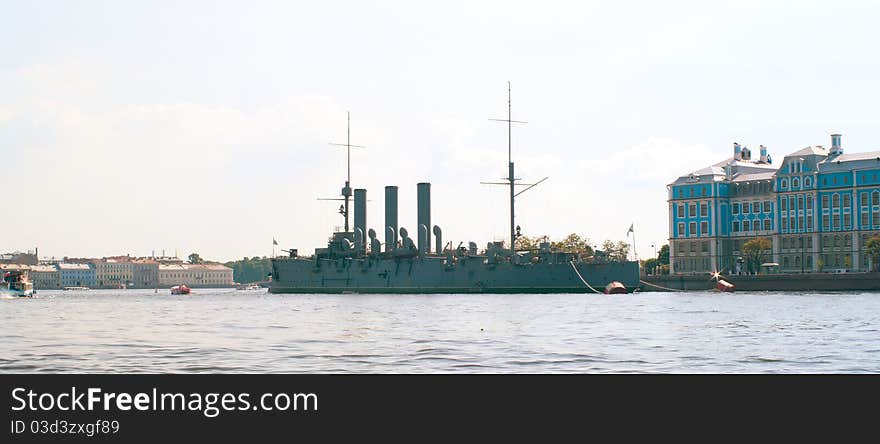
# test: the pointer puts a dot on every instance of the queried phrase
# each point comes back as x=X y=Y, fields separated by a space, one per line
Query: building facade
x=144 y=273
x=45 y=277
x=76 y=275
x=113 y=273
x=195 y=275
x=818 y=208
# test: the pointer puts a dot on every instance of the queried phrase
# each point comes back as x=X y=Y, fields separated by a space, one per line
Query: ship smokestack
x=390 y=217
x=438 y=240
x=424 y=217
x=360 y=218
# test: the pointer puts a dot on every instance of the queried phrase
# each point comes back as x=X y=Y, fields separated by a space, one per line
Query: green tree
x=872 y=247
x=194 y=258
x=251 y=270
x=756 y=250
x=650 y=265
x=615 y=251
x=663 y=255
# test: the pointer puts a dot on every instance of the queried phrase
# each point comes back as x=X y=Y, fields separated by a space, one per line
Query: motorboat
x=180 y=289
x=16 y=283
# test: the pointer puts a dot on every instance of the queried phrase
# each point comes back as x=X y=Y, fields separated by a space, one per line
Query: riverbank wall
x=768 y=282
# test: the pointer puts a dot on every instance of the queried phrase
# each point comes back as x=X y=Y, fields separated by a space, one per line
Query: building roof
x=818 y=150
x=66 y=266
x=748 y=177
x=44 y=269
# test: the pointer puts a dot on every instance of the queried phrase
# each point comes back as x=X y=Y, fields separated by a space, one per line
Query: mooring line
x=578 y=273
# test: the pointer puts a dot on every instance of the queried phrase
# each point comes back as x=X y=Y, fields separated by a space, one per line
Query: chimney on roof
x=836 y=149
x=763 y=154
x=737 y=151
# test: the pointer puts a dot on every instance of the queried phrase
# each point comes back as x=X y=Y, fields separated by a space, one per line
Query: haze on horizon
x=128 y=127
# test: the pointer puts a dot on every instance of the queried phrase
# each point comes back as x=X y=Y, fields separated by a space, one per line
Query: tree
x=663 y=255
x=755 y=251
x=650 y=265
x=872 y=247
x=616 y=252
x=194 y=258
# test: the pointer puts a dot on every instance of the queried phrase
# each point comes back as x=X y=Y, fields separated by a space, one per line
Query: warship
x=356 y=261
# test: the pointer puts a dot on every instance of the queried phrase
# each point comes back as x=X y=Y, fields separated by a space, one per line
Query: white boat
x=16 y=283
x=250 y=287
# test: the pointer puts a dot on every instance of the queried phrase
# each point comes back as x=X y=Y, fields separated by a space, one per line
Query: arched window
x=783 y=184
x=795 y=182
x=808 y=182
x=835 y=200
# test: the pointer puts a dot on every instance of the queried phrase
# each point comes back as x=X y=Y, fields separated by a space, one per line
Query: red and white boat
x=724 y=286
x=180 y=289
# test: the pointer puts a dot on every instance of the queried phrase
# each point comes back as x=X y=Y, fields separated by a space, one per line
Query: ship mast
x=511 y=179
x=346 y=190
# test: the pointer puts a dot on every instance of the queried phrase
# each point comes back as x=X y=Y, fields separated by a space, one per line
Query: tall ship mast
x=356 y=261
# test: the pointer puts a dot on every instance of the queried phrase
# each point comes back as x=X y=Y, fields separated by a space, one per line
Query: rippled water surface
x=122 y=331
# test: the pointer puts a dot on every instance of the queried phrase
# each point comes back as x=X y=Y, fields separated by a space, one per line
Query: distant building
x=144 y=273
x=818 y=207
x=29 y=258
x=113 y=272
x=76 y=275
x=45 y=277
x=195 y=275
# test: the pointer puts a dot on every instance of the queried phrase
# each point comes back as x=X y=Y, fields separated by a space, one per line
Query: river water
x=225 y=330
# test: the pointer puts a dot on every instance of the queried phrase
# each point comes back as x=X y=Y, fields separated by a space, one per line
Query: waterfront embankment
x=769 y=282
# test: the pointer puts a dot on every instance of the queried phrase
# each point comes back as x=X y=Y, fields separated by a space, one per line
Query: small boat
x=180 y=289
x=16 y=283
x=615 y=287
x=724 y=286
x=250 y=287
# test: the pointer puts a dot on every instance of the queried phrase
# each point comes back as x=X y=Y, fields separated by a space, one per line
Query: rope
x=661 y=287
x=573 y=267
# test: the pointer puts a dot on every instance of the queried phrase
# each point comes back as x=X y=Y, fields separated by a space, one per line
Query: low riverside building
x=144 y=273
x=113 y=272
x=195 y=275
x=45 y=277
x=818 y=207
x=76 y=275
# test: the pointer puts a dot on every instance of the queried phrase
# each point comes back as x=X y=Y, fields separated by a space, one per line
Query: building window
x=875 y=198
x=704 y=209
x=768 y=206
x=800 y=202
x=680 y=210
x=693 y=228
x=756 y=207
x=791 y=222
x=807 y=182
x=681 y=232
x=736 y=208
x=692 y=210
x=866 y=219
x=795 y=183
x=809 y=222
x=835 y=200
x=783 y=204
x=736 y=226
x=864 y=199
x=783 y=184
x=875 y=218
x=766 y=224
x=836 y=221
x=825 y=202
x=746 y=208
x=847 y=201
x=746 y=225
x=801 y=222
x=847 y=221
x=809 y=202
x=826 y=223
x=704 y=228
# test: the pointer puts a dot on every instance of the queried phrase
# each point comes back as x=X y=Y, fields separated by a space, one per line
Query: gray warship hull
x=432 y=275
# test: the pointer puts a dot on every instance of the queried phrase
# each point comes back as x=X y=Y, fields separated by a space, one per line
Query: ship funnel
x=390 y=217
x=424 y=217
x=360 y=219
x=438 y=240
x=423 y=241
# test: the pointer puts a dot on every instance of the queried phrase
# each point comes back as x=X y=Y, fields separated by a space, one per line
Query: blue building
x=818 y=207
x=76 y=275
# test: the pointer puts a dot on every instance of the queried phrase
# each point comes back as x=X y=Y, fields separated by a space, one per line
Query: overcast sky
x=128 y=127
